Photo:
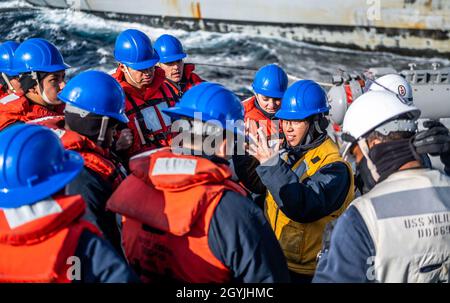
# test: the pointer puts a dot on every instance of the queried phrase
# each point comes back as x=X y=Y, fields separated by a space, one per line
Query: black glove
x=434 y=141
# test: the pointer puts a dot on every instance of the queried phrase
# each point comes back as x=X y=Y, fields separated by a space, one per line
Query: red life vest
x=169 y=201
x=190 y=79
x=37 y=240
x=95 y=157
x=149 y=125
x=253 y=113
x=24 y=110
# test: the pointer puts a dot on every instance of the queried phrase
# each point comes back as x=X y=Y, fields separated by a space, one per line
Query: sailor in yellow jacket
x=308 y=182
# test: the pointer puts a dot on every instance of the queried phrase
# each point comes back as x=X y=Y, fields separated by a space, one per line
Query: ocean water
x=87 y=42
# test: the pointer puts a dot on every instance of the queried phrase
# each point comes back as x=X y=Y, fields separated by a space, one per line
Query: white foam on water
x=300 y=59
x=85 y=22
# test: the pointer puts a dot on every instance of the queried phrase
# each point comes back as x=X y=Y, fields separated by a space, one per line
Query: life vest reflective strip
x=38 y=240
x=8 y=98
x=169 y=202
x=301 y=242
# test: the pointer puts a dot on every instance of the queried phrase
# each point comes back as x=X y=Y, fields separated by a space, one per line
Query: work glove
x=435 y=140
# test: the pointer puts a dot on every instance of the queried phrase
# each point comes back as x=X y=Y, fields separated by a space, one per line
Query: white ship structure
x=405 y=26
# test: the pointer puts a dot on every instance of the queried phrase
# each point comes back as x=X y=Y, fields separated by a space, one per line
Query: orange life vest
x=190 y=79
x=273 y=127
x=169 y=201
x=95 y=157
x=24 y=110
x=149 y=125
x=36 y=241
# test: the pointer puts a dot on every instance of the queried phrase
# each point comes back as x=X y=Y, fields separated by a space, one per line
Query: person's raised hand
x=260 y=149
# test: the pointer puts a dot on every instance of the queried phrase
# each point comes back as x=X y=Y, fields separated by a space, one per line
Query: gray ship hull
x=407 y=26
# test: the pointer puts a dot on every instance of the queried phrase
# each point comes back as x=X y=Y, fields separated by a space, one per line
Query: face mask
x=364 y=179
x=388 y=157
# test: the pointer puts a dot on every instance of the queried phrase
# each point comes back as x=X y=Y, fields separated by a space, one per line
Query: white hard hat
x=395 y=84
x=373 y=110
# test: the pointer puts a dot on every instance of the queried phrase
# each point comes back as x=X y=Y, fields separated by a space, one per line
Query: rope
x=227 y=66
x=320 y=83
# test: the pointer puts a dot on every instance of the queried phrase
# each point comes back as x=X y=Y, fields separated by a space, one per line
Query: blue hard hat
x=33 y=165
x=96 y=92
x=134 y=49
x=7 y=50
x=271 y=81
x=169 y=49
x=302 y=99
x=216 y=104
x=38 y=55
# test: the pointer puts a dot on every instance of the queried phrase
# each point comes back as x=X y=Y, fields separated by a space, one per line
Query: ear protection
x=320 y=123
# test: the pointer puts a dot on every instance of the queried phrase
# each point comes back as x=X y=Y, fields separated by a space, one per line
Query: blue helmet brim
x=287 y=115
x=46 y=69
x=268 y=93
x=120 y=117
x=142 y=65
x=173 y=58
x=29 y=195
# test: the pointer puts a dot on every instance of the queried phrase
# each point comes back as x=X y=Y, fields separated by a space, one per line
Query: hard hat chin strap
x=131 y=77
x=365 y=151
x=103 y=129
x=6 y=78
x=42 y=91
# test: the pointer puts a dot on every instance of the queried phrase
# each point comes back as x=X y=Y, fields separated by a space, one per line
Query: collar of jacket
x=299 y=150
x=145 y=93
